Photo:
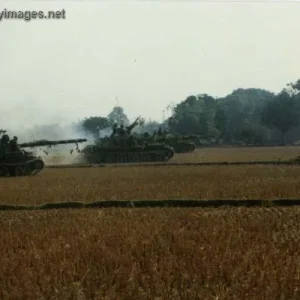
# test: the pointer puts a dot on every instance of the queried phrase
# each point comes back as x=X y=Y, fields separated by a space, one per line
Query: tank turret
x=14 y=161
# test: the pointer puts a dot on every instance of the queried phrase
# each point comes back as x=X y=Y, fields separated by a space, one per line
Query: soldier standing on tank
x=14 y=144
x=159 y=132
x=122 y=131
x=5 y=143
x=115 y=129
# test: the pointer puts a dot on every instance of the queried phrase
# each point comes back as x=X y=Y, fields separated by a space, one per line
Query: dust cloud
x=59 y=154
x=33 y=122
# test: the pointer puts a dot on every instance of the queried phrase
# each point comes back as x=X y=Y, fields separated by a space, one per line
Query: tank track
x=184 y=147
x=27 y=168
x=126 y=156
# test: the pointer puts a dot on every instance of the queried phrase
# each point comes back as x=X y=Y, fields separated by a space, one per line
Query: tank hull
x=183 y=147
x=17 y=162
x=96 y=155
x=180 y=144
x=21 y=165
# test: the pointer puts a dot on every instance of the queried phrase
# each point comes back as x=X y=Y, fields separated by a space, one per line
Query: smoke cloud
x=60 y=154
x=33 y=122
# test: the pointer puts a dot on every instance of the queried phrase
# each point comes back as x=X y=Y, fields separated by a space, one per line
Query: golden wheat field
x=227 y=253
x=159 y=183
x=154 y=253
x=217 y=154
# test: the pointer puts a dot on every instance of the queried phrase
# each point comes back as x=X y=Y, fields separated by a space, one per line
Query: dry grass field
x=167 y=253
x=213 y=154
x=160 y=182
x=238 y=154
x=240 y=253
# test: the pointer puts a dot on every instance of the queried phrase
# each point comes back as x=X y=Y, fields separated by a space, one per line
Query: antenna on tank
x=163 y=115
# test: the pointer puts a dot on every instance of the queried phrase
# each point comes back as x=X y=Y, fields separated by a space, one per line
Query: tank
x=180 y=143
x=15 y=161
x=123 y=147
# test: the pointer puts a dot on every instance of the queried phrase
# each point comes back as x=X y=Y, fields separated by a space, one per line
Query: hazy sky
x=146 y=54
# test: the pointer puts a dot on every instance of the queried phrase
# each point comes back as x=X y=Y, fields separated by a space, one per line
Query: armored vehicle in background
x=14 y=161
x=123 y=147
x=180 y=143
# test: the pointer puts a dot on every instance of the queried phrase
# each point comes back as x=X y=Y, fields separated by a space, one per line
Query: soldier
x=5 y=139
x=159 y=132
x=115 y=129
x=14 y=144
x=122 y=131
x=4 y=144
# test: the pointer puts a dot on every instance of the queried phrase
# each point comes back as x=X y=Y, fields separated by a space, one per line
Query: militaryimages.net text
x=28 y=15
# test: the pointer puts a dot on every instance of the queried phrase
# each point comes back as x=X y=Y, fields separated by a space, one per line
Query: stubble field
x=231 y=154
x=151 y=253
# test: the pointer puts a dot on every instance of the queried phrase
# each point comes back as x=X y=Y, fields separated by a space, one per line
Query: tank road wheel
x=115 y=158
x=27 y=169
x=37 y=166
x=17 y=171
x=4 y=172
x=169 y=155
x=122 y=158
x=142 y=157
x=146 y=157
x=130 y=157
x=14 y=171
x=108 y=159
x=192 y=147
x=135 y=158
x=127 y=157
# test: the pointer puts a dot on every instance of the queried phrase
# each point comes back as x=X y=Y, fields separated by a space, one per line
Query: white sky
x=70 y=69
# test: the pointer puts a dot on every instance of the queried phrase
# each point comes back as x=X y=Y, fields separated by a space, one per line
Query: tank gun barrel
x=41 y=143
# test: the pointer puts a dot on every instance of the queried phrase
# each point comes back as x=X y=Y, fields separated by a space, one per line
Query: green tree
x=242 y=109
x=186 y=124
x=282 y=113
x=295 y=87
x=117 y=115
x=94 y=124
x=220 y=120
x=194 y=115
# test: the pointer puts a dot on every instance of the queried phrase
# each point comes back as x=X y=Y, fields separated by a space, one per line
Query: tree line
x=246 y=116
